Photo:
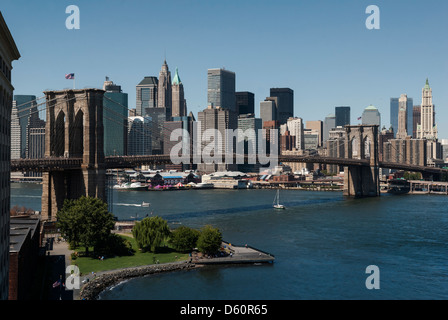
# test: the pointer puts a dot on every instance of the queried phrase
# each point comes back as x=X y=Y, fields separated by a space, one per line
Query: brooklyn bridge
x=74 y=163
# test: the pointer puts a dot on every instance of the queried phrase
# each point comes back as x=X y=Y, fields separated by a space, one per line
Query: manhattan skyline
x=321 y=50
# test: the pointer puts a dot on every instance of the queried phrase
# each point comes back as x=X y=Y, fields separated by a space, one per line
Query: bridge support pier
x=361 y=182
x=74 y=129
x=361 y=142
x=71 y=184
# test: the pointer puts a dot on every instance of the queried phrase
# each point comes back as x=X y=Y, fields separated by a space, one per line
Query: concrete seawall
x=93 y=288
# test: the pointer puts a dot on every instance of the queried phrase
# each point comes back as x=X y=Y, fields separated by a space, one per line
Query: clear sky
x=321 y=49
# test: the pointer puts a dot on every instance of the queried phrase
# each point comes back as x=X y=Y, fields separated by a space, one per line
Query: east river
x=322 y=244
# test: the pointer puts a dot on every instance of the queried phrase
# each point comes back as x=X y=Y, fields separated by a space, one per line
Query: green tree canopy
x=209 y=240
x=184 y=238
x=151 y=233
x=85 y=221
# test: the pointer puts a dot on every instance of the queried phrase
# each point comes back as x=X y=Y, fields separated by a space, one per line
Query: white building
x=295 y=127
x=427 y=129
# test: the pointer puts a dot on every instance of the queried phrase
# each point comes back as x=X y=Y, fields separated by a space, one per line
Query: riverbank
x=234 y=255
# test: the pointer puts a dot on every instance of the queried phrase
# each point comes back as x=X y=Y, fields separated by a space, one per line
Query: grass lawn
x=88 y=264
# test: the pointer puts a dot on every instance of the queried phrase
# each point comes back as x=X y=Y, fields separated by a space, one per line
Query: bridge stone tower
x=361 y=142
x=74 y=130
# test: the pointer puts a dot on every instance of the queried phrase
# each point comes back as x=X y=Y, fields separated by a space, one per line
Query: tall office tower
x=329 y=123
x=15 y=132
x=219 y=120
x=285 y=103
x=157 y=118
x=8 y=53
x=139 y=136
x=316 y=126
x=268 y=110
x=27 y=108
x=245 y=102
x=342 y=116
x=146 y=96
x=394 y=108
x=295 y=127
x=164 y=90
x=170 y=127
x=179 y=104
x=187 y=124
x=115 y=119
x=427 y=129
x=371 y=116
x=416 y=118
x=402 y=132
x=221 y=89
x=248 y=136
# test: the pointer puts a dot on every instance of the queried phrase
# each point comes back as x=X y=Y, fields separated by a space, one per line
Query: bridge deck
x=55 y=164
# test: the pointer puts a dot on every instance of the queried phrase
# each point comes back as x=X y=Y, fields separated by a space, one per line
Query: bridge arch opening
x=77 y=136
x=59 y=138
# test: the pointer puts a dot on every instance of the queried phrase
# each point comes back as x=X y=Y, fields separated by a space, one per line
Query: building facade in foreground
x=8 y=53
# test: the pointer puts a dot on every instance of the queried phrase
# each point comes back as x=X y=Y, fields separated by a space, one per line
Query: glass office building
x=221 y=89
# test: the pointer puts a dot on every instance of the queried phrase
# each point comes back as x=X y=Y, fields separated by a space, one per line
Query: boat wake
x=143 y=204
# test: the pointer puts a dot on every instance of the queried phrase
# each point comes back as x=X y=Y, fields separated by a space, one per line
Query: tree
x=184 y=238
x=209 y=240
x=86 y=221
x=150 y=233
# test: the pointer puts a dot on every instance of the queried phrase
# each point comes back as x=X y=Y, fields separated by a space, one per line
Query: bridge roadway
x=122 y=162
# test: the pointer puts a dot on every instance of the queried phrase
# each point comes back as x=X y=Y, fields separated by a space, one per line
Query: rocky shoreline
x=92 y=289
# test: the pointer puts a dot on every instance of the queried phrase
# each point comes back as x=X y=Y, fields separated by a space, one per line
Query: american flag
x=70 y=76
x=57 y=284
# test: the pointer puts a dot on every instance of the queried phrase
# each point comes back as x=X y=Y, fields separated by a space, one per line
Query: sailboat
x=276 y=203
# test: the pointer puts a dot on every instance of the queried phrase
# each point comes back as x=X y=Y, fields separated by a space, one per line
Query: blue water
x=322 y=243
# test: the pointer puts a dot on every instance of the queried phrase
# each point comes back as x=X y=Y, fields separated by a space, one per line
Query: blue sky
x=321 y=49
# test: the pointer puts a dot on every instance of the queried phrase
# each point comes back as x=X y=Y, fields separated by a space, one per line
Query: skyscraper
x=15 y=132
x=394 y=108
x=8 y=53
x=164 y=90
x=245 y=102
x=115 y=119
x=285 y=103
x=248 y=136
x=416 y=118
x=146 y=96
x=27 y=109
x=329 y=123
x=221 y=89
x=179 y=104
x=342 y=116
x=295 y=128
x=218 y=120
x=427 y=129
x=268 y=110
x=371 y=116
x=139 y=136
x=402 y=132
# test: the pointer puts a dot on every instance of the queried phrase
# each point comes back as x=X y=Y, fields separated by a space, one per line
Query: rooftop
x=149 y=81
x=19 y=230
